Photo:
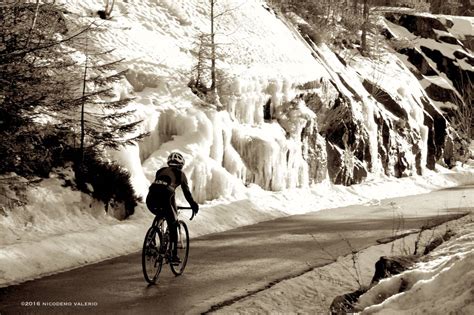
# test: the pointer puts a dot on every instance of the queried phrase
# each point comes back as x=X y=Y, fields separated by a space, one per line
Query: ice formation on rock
x=294 y=113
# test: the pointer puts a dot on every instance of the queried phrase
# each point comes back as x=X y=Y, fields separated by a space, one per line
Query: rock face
x=443 y=62
x=385 y=267
x=437 y=125
x=418 y=25
x=346 y=145
x=388 y=266
x=344 y=304
x=402 y=148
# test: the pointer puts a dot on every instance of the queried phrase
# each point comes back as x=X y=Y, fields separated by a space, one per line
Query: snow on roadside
x=443 y=284
x=71 y=230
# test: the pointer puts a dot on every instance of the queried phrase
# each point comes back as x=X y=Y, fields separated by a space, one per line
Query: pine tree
x=40 y=91
x=103 y=115
x=32 y=61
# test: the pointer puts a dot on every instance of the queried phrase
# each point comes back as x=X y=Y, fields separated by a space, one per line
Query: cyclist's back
x=172 y=176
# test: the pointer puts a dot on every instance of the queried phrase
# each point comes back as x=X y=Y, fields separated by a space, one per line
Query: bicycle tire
x=183 y=249
x=152 y=258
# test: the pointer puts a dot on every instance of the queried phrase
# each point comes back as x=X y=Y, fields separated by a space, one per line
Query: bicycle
x=157 y=248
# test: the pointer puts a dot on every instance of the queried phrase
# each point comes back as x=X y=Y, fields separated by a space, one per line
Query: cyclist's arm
x=186 y=191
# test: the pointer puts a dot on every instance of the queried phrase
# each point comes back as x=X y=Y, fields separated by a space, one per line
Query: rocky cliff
x=291 y=112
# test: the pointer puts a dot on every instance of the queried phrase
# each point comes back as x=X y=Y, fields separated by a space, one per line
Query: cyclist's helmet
x=176 y=159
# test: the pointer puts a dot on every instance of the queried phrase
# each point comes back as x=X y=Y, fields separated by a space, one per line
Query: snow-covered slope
x=293 y=112
x=224 y=150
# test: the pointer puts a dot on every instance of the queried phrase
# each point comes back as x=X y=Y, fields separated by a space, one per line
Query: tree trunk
x=213 y=49
x=33 y=24
x=108 y=10
x=84 y=81
x=365 y=26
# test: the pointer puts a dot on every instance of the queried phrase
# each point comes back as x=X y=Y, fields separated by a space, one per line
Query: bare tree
x=206 y=71
x=365 y=26
x=33 y=24
x=213 y=47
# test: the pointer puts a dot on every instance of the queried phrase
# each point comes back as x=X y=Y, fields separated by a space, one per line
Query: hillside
x=265 y=134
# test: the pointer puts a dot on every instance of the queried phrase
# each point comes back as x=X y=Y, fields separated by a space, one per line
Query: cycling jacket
x=173 y=177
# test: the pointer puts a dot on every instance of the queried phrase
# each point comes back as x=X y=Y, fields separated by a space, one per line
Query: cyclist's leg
x=172 y=220
x=161 y=209
x=167 y=209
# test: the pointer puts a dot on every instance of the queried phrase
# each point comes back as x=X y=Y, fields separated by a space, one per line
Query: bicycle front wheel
x=152 y=258
x=183 y=249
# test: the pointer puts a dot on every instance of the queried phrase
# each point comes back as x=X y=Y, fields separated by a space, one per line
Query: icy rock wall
x=270 y=147
x=223 y=154
x=238 y=144
x=372 y=125
x=213 y=166
x=257 y=138
x=229 y=148
x=293 y=113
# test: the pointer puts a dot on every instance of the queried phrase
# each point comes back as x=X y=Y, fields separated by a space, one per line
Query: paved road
x=227 y=265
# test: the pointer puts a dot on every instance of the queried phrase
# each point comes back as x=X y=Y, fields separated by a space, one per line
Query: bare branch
x=56 y=43
x=229 y=10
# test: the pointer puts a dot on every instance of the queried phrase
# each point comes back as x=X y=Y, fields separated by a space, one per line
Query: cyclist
x=161 y=197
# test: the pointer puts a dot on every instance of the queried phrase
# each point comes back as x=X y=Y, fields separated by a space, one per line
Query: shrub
x=110 y=182
x=34 y=151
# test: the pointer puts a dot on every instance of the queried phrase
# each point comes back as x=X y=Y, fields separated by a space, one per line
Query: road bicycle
x=157 y=248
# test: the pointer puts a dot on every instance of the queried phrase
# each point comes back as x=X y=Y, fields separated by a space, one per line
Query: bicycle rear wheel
x=152 y=258
x=183 y=249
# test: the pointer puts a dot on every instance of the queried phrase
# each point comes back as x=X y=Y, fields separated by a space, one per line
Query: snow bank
x=443 y=283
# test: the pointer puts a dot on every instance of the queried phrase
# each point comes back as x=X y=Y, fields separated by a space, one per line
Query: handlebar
x=186 y=208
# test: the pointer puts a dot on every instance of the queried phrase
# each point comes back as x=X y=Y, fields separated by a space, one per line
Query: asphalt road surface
x=225 y=266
